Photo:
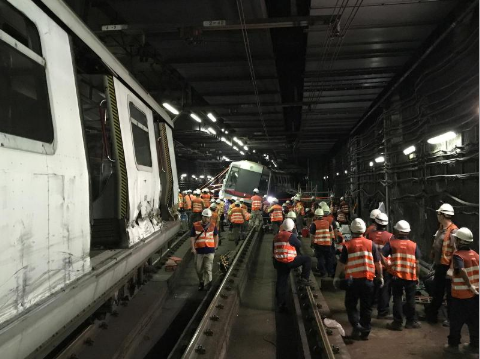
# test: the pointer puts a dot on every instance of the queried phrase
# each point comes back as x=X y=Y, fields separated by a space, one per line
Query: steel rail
x=194 y=348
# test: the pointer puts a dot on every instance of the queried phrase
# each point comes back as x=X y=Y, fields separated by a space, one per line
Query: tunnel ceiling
x=289 y=78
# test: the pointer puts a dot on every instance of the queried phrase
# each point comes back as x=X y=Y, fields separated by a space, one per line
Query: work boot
x=200 y=286
x=412 y=325
x=446 y=323
x=395 y=326
x=468 y=349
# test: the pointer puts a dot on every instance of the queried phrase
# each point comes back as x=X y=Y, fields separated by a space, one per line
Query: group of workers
x=373 y=266
x=376 y=264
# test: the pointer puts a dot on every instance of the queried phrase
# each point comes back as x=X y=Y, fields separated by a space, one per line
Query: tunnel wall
x=440 y=95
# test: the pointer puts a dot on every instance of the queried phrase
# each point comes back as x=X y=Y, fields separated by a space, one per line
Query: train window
x=232 y=177
x=24 y=103
x=141 y=139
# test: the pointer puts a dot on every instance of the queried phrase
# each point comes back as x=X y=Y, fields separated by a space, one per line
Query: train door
x=44 y=193
x=141 y=164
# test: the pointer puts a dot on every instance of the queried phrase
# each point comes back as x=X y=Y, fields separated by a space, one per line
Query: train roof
x=78 y=27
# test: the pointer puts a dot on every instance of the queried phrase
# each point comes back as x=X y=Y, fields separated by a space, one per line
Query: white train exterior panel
x=44 y=202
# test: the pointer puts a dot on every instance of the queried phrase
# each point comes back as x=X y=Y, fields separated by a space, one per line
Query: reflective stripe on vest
x=206 y=238
x=283 y=251
x=276 y=215
x=403 y=261
x=197 y=205
x=360 y=259
x=256 y=203
x=236 y=216
x=380 y=238
x=447 y=248
x=459 y=287
x=371 y=228
x=322 y=236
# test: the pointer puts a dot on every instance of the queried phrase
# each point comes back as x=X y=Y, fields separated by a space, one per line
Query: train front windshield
x=244 y=181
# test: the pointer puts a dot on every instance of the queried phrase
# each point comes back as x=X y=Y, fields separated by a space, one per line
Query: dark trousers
x=398 y=286
x=382 y=295
x=283 y=270
x=441 y=285
x=464 y=311
x=324 y=259
x=188 y=212
x=276 y=227
x=359 y=290
x=299 y=223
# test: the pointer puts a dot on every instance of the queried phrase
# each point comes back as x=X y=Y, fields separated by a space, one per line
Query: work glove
x=473 y=290
x=336 y=282
x=382 y=282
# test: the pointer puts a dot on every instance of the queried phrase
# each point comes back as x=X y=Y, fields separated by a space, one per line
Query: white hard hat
x=323 y=203
x=325 y=208
x=264 y=196
x=358 y=226
x=288 y=224
x=184 y=191
x=189 y=191
x=375 y=213
x=288 y=202
x=446 y=209
x=218 y=201
x=197 y=191
x=255 y=190
x=274 y=200
x=291 y=214
x=402 y=226
x=319 y=212
x=296 y=198
x=206 y=213
x=237 y=203
x=464 y=234
x=381 y=219
x=234 y=198
x=204 y=190
x=213 y=205
x=242 y=200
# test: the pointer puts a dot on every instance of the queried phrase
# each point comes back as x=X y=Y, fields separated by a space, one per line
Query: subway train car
x=87 y=176
x=243 y=176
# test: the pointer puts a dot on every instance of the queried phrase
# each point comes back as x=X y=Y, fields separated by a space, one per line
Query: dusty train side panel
x=173 y=163
x=44 y=194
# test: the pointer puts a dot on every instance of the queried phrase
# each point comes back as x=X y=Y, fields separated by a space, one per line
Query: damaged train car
x=87 y=180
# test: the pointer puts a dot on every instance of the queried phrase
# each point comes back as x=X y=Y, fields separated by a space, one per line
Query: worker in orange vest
x=464 y=305
x=441 y=254
x=300 y=212
x=197 y=206
x=321 y=233
x=286 y=256
x=359 y=260
x=256 y=214
x=204 y=241
x=276 y=215
x=205 y=196
x=373 y=224
x=380 y=236
x=180 y=201
x=237 y=218
x=405 y=270
x=243 y=205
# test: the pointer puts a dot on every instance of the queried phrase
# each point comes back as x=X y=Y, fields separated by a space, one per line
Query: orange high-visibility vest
x=403 y=262
x=197 y=205
x=360 y=259
x=256 y=203
x=188 y=202
x=236 y=215
x=180 y=201
x=206 y=199
x=323 y=235
x=329 y=218
x=299 y=209
x=459 y=287
x=369 y=230
x=246 y=215
x=283 y=251
x=447 y=248
x=380 y=238
x=206 y=238
x=276 y=213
